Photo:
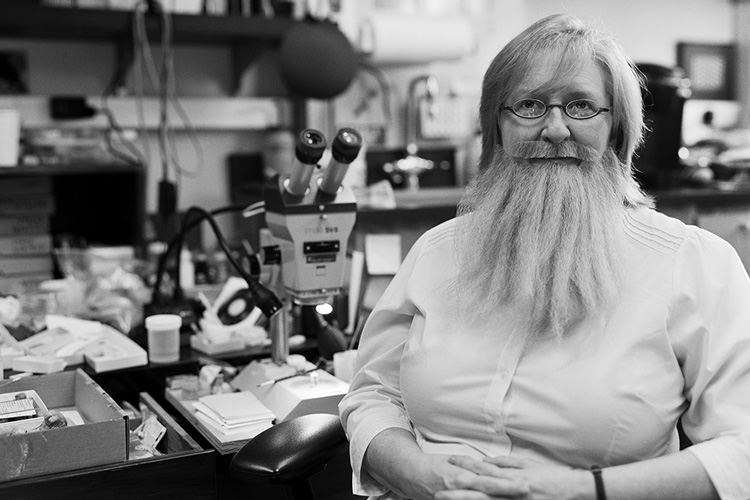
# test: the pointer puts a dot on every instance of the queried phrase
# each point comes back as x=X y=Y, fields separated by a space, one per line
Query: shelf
x=28 y=19
x=706 y=196
x=206 y=113
x=79 y=168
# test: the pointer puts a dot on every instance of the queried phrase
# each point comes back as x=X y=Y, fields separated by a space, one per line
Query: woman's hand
x=514 y=478
x=447 y=476
x=395 y=460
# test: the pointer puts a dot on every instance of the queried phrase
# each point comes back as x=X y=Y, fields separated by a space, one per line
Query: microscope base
x=294 y=396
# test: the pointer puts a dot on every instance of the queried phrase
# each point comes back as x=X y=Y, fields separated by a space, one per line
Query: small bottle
x=187 y=270
x=202 y=269
x=220 y=267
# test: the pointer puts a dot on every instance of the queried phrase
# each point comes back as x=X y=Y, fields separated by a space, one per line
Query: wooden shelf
x=29 y=19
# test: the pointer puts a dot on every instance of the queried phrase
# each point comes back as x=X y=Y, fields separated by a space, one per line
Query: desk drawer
x=184 y=471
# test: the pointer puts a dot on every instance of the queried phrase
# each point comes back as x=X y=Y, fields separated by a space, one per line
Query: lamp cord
x=265 y=299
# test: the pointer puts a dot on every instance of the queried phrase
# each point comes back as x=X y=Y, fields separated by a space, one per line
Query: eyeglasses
x=578 y=109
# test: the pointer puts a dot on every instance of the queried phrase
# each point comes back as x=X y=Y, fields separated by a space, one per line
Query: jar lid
x=163 y=321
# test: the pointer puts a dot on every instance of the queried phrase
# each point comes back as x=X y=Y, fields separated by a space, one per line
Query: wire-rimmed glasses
x=578 y=109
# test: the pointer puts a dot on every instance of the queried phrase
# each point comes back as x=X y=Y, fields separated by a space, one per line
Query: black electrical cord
x=265 y=299
x=176 y=243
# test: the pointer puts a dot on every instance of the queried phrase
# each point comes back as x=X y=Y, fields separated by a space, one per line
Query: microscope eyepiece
x=311 y=144
x=344 y=150
x=346 y=145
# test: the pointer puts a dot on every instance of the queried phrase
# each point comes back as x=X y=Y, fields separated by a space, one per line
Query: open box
x=184 y=470
x=102 y=439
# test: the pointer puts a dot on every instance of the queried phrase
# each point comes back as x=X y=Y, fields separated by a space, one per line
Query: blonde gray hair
x=573 y=43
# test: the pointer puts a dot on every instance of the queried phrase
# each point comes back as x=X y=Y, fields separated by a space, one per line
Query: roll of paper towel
x=399 y=38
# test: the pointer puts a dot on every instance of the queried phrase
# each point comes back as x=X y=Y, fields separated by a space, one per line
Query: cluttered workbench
x=117 y=386
x=190 y=462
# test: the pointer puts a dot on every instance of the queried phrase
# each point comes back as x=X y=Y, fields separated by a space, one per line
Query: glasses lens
x=529 y=108
x=581 y=108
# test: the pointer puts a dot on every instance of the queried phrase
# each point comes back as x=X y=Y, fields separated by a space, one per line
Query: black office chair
x=290 y=453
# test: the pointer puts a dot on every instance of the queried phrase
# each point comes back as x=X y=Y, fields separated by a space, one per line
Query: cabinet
x=100 y=204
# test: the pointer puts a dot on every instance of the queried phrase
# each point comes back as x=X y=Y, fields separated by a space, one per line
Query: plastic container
x=163 y=338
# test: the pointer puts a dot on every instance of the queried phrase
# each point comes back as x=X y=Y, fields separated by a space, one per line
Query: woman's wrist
x=583 y=487
x=394 y=460
x=600 y=490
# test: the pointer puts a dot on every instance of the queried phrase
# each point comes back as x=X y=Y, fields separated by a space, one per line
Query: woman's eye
x=581 y=107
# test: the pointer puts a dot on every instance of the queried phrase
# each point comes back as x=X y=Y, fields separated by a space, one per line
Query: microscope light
x=324 y=309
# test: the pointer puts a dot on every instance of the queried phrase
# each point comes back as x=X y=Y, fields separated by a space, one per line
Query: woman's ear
x=617 y=140
x=498 y=131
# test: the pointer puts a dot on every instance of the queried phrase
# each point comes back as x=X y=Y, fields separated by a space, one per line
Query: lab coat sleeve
x=710 y=325
x=374 y=401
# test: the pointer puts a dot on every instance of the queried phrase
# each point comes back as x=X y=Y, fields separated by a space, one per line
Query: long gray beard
x=542 y=240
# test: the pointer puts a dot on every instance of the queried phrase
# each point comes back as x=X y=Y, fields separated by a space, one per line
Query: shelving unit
x=246 y=36
x=102 y=203
x=31 y=19
x=105 y=204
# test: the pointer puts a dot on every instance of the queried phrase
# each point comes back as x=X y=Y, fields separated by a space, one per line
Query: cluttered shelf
x=29 y=19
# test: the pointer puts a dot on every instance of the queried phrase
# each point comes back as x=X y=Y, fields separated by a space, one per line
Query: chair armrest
x=290 y=451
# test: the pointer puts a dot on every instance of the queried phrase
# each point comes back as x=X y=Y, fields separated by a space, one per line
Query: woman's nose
x=555 y=128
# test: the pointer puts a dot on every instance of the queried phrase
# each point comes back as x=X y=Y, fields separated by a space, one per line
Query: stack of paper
x=233 y=416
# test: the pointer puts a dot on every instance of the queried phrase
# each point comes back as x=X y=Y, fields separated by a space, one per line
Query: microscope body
x=310 y=219
x=312 y=233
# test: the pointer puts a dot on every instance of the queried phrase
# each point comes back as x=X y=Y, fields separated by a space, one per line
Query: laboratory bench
x=190 y=467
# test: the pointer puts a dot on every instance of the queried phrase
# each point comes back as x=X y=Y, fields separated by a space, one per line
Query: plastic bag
x=101 y=284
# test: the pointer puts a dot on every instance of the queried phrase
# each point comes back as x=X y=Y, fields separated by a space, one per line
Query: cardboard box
x=103 y=439
x=185 y=470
